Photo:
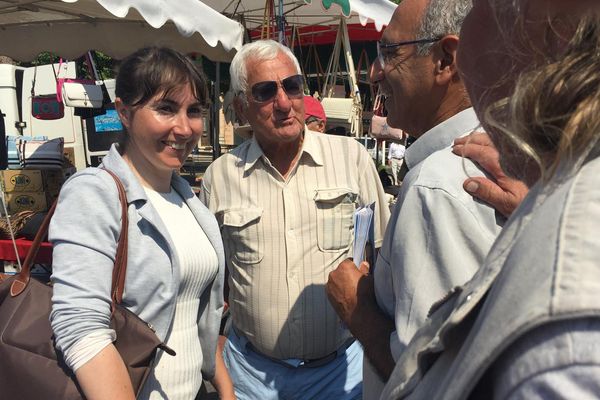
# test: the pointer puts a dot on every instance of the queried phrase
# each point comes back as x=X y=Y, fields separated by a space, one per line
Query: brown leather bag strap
x=22 y=278
x=120 y=266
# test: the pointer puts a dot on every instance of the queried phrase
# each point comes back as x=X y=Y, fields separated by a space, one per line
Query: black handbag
x=30 y=366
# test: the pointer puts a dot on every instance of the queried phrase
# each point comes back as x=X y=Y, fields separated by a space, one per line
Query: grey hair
x=442 y=17
x=261 y=50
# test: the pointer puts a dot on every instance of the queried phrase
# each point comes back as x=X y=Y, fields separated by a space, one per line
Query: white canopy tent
x=308 y=12
x=116 y=27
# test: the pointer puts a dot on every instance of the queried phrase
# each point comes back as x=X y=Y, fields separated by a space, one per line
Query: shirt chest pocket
x=335 y=210
x=242 y=234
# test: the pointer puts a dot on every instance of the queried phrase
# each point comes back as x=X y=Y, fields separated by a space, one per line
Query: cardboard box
x=22 y=180
x=21 y=201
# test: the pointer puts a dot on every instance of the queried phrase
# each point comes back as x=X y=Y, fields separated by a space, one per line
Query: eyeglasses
x=387 y=54
x=263 y=92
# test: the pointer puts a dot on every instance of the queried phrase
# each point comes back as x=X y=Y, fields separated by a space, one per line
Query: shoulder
x=436 y=187
x=92 y=190
x=583 y=198
x=572 y=208
x=446 y=171
x=233 y=157
x=88 y=202
x=89 y=180
x=577 y=209
x=343 y=149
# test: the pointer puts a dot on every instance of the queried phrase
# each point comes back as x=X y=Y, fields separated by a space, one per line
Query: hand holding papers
x=363 y=231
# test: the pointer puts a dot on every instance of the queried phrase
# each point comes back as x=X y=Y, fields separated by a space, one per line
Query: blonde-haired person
x=527 y=326
x=175 y=260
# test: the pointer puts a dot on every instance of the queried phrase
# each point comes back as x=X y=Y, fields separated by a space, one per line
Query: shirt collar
x=309 y=147
x=253 y=155
x=441 y=136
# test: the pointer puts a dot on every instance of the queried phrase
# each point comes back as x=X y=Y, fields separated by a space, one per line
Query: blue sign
x=108 y=122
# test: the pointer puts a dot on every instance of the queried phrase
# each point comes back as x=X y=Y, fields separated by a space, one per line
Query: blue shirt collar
x=441 y=136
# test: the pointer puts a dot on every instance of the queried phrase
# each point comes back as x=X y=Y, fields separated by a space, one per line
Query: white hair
x=261 y=50
x=442 y=17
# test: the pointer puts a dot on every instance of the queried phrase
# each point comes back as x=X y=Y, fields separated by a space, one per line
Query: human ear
x=321 y=126
x=445 y=59
x=240 y=107
x=124 y=112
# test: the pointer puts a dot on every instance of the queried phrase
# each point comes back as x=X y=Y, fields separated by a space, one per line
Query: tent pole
x=216 y=146
x=351 y=73
x=280 y=23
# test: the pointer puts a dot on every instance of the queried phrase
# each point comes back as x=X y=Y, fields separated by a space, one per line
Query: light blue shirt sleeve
x=556 y=361
x=434 y=243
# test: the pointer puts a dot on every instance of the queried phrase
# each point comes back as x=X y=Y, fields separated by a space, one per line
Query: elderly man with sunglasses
x=285 y=202
x=438 y=235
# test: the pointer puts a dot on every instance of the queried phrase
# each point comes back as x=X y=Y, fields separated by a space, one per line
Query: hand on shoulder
x=502 y=192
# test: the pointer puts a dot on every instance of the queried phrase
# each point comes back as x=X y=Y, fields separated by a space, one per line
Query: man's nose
x=376 y=72
x=282 y=100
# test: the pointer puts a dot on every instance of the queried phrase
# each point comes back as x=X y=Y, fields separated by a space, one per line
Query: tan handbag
x=381 y=130
x=30 y=367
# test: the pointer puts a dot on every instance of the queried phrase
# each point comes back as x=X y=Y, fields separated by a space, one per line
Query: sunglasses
x=263 y=92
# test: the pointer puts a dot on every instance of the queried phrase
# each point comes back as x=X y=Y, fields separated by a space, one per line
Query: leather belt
x=309 y=363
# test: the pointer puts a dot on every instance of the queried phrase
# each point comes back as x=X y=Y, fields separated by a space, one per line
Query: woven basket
x=17 y=222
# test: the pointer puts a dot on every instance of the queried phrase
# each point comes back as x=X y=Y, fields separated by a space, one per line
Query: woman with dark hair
x=175 y=263
x=527 y=326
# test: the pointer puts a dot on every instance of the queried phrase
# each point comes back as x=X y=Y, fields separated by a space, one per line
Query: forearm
x=222 y=381
x=373 y=328
x=351 y=292
x=105 y=377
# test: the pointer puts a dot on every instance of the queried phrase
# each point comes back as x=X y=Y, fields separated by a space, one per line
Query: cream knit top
x=180 y=377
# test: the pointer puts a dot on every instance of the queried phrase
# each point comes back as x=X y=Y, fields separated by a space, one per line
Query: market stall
x=70 y=28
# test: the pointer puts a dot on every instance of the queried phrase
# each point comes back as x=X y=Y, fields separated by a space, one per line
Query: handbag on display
x=381 y=130
x=31 y=367
x=80 y=93
x=45 y=106
x=41 y=154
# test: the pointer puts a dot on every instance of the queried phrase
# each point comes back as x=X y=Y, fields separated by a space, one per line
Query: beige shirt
x=283 y=236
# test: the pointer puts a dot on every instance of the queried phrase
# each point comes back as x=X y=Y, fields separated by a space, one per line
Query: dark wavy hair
x=552 y=119
x=153 y=70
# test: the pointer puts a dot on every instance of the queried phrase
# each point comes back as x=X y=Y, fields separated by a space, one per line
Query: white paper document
x=363 y=231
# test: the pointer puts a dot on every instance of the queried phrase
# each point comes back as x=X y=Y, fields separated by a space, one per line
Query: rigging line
x=236 y=6
x=20 y=4
x=261 y=9
x=227 y=6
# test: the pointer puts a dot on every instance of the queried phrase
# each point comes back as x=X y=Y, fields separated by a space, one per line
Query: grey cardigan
x=542 y=269
x=84 y=232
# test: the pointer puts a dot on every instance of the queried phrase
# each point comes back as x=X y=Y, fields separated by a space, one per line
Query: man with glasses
x=438 y=235
x=285 y=202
